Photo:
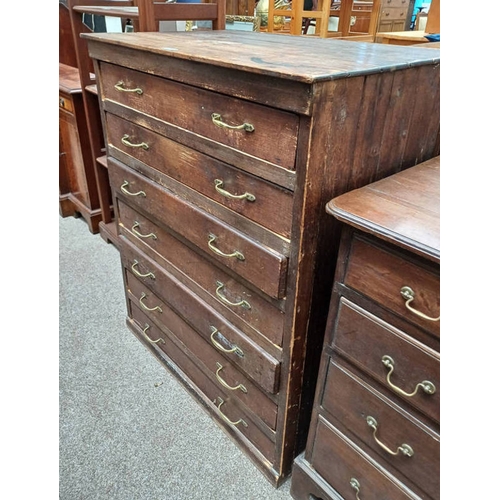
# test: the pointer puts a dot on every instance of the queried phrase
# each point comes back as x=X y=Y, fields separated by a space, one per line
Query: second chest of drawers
x=375 y=427
x=220 y=158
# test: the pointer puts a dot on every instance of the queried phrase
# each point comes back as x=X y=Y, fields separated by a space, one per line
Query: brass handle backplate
x=425 y=385
x=120 y=86
x=126 y=142
x=233 y=348
x=409 y=295
x=137 y=233
x=219 y=184
x=126 y=191
x=405 y=449
x=240 y=421
x=146 y=328
x=217 y=120
x=137 y=273
x=211 y=240
x=242 y=303
x=355 y=486
x=225 y=384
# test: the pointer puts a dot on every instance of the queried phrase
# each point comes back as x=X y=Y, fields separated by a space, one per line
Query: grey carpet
x=128 y=429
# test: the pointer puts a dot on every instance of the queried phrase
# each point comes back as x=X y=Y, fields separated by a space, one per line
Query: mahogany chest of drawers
x=77 y=182
x=223 y=149
x=375 y=428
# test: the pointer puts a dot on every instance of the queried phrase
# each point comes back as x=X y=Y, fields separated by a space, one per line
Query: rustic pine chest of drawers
x=223 y=149
x=375 y=427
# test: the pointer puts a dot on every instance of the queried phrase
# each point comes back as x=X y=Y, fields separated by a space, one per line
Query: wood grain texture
x=284 y=56
x=356 y=119
x=403 y=208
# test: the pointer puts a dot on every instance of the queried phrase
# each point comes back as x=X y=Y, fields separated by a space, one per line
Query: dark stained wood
x=313 y=60
x=411 y=196
x=175 y=355
x=67 y=53
x=270 y=208
x=343 y=100
x=390 y=239
x=260 y=266
x=186 y=107
x=77 y=185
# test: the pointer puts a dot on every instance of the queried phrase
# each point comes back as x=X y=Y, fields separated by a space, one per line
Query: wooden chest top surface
x=286 y=56
x=403 y=208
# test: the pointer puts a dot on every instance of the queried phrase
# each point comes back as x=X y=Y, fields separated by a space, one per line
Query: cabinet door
x=70 y=148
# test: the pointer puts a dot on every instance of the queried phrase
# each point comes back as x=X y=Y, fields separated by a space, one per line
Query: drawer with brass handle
x=257 y=363
x=211 y=362
x=186 y=368
x=355 y=476
x=251 y=128
x=65 y=103
x=396 y=283
x=261 y=266
x=410 y=447
x=245 y=194
x=263 y=321
x=408 y=369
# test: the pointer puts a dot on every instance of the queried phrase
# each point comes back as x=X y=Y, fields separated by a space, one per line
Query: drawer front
x=66 y=103
x=258 y=130
x=245 y=194
x=383 y=428
x=261 y=266
x=230 y=413
x=406 y=368
x=261 y=316
x=340 y=462
x=147 y=308
x=214 y=328
x=392 y=281
x=393 y=13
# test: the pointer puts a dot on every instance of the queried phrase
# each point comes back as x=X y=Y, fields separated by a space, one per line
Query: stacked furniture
x=78 y=194
x=223 y=150
x=375 y=426
x=144 y=15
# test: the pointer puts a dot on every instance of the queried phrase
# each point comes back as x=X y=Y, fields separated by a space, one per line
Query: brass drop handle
x=225 y=384
x=242 y=303
x=219 y=346
x=120 y=86
x=356 y=486
x=137 y=233
x=212 y=238
x=126 y=191
x=217 y=120
x=160 y=340
x=137 y=273
x=144 y=306
x=427 y=387
x=409 y=295
x=405 y=449
x=219 y=184
x=240 y=421
x=125 y=140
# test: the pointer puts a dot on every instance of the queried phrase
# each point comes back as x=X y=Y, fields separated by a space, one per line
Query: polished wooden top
x=69 y=79
x=306 y=59
x=403 y=208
